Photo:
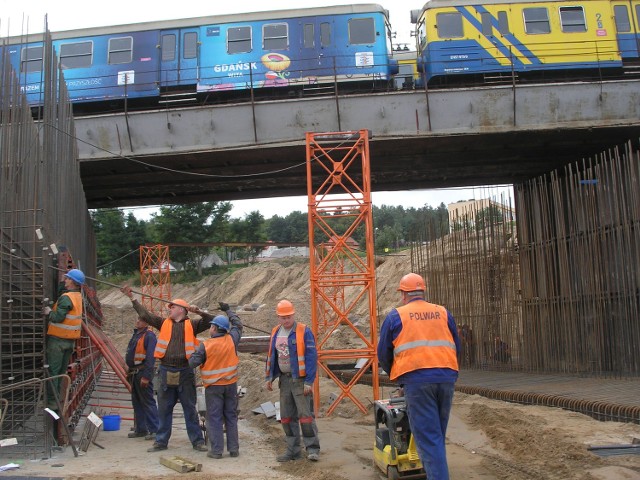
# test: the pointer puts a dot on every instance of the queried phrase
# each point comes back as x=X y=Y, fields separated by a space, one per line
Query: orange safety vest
x=72 y=324
x=140 y=354
x=424 y=341
x=221 y=365
x=190 y=340
x=300 y=346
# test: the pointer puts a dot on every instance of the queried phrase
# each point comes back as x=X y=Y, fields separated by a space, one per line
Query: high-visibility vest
x=221 y=365
x=140 y=354
x=300 y=347
x=424 y=341
x=72 y=324
x=190 y=340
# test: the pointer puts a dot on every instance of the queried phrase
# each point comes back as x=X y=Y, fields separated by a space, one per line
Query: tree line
x=119 y=235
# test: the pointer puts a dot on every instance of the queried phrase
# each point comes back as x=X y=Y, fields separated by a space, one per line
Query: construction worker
x=417 y=348
x=65 y=325
x=292 y=340
x=141 y=362
x=176 y=343
x=218 y=360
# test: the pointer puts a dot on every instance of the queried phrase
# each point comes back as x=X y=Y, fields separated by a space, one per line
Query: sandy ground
x=487 y=439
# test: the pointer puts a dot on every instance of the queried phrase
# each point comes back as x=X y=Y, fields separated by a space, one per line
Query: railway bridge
x=419 y=139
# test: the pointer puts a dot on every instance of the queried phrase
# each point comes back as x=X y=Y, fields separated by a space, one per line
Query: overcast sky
x=18 y=17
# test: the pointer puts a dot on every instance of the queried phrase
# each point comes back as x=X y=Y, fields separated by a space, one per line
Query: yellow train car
x=515 y=39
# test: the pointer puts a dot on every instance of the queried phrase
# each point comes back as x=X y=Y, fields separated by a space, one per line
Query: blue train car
x=471 y=40
x=286 y=48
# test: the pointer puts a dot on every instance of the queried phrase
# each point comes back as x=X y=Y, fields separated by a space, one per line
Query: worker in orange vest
x=293 y=360
x=176 y=343
x=218 y=360
x=65 y=326
x=418 y=349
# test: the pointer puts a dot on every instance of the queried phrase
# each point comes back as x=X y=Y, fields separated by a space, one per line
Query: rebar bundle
x=44 y=229
x=558 y=289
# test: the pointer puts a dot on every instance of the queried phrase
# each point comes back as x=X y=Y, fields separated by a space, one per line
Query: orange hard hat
x=411 y=282
x=284 y=308
x=180 y=302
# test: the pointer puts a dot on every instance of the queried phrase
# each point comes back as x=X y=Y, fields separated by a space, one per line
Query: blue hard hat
x=75 y=275
x=221 y=321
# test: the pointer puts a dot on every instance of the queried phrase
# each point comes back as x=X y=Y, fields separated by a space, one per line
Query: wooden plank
x=180 y=464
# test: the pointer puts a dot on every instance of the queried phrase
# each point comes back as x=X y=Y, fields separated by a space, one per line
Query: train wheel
x=392 y=473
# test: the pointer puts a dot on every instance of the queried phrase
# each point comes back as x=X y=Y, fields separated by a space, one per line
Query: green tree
x=488 y=216
x=193 y=223
x=117 y=241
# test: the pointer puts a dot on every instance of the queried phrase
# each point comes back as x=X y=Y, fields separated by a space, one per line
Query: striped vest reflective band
x=190 y=340
x=221 y=366
x=72 y=324
x=425 y=340
x=141 y=353
x=300 y=347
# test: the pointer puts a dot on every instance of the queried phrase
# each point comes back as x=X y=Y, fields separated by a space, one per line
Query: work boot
x=214 y=455
x=150 y=436
x=234 y=454
x=288 y=456
x=156 y=447
x=200 y=447
x=137 y=434
x=313 y=456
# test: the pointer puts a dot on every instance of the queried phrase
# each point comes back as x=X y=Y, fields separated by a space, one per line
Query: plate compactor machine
x=395 y=451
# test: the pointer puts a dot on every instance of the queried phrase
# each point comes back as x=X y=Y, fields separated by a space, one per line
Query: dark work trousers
x=167 y=399
x=222 y=408
x=145 y=410
x=428 y=407
x=296 y=414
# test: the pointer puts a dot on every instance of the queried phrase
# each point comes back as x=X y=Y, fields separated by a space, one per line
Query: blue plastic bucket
x=111 y=423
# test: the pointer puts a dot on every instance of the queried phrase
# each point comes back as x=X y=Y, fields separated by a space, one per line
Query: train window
x=190 y=45
x=487 y=28
x=449 y=25
x=309 y=35
x=325 y=34
x=76 y=55
x=120 y=50
x=572 y=19
x=168 y=47
x=31 y=59
x=239 y=39
x=362 y=31
x=621 y=14
x=275 y=36
x=536 y=20
x=503 y=23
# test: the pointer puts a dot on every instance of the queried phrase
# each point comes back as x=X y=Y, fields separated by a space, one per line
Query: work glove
x=144 y=382
x=308 y=389
x=46 y=311
x=224 y=306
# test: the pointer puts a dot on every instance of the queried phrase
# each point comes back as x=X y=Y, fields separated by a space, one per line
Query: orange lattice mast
x=343 y=292
x=155 y=279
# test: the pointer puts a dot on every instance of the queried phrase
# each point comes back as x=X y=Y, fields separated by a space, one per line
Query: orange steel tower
x=343 y=293
x=154 y=277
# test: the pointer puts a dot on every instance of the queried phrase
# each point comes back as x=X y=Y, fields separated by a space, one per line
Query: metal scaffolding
x=155 y=277
x=342 y=272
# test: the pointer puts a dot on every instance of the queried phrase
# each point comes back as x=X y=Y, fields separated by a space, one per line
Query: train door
x=627 y=18
x=179 y=57
x=317 y=46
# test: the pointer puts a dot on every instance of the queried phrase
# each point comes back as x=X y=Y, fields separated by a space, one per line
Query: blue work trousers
x=145 y=410
x=222 y=409
x=168 y=396
x=428 y=407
